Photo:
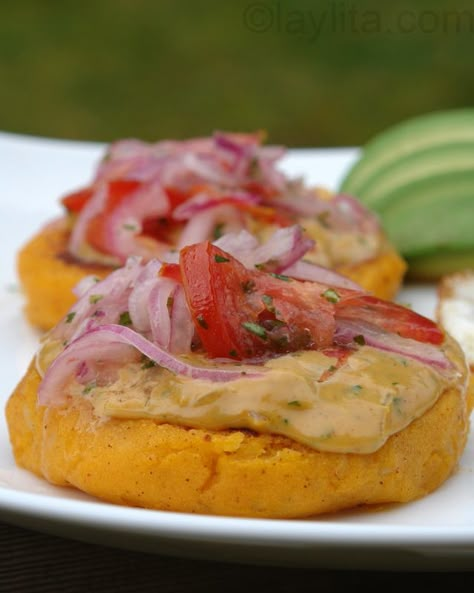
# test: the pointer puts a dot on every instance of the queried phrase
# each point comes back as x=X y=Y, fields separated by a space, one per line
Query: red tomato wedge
x=389 y=317
x=171 y=271
x=117 y=192
x=75 y=201
x=242 y=314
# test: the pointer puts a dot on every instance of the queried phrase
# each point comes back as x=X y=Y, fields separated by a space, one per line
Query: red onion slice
x=285 y=247
x=93 y=207
x=124 y=223
x=204 y=201
x=304 y=270
x=103 y=302
x=182 y=326
x=108 y=343
x=201 y=226
x=159 y=306
x=347 y=331
x=139 y=296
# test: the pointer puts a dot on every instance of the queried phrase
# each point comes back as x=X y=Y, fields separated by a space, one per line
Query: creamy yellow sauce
x=372 y=396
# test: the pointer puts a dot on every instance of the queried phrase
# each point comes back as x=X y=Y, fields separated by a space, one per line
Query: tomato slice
x=75 y=201
x=390 y=317
x=172 y=271
x=242 y=314
x=117 y=192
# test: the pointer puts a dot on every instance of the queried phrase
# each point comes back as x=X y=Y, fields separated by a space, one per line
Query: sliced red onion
x=139 y=296
x=113 y=343
x=240 y=245
x=305 y=270
x=182 y=326
x=159 y=306
x=204 y=201
x=93 y=207
x=347 y=331
x=201 y=226
x=124 y=224
x=92 y=359
x=84 y=285
x=340 y=212
x=351 y=212
x=285 y=247
x=103 y=302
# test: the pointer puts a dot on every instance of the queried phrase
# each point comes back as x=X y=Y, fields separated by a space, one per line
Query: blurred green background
x=310 y=73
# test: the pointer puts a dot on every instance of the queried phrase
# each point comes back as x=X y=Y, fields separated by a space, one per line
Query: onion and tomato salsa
x=148 y=198
x=226 y=335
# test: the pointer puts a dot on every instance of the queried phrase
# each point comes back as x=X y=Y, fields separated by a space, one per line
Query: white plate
x=434 y=533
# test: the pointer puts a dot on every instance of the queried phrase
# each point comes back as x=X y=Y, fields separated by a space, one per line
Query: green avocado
x=431 y=214
x=433 y=266
x=424 y=164
x=417 y=134
x=418 y=176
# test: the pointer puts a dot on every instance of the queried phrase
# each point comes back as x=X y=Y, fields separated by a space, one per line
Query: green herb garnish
x=148 y=363
x=70 y=317
x=359 y=340
x=295 y=403
x=217 y=232
x=95 y=298
x=281 y=277
x=267 y=300
x=220 y=259
x=255 y=329
x=125 y=319
x=331 y=295
x=88 y=388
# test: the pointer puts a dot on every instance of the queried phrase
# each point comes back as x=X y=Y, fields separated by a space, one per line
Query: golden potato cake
x=140 y=462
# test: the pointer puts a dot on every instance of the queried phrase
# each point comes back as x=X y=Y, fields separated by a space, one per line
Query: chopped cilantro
x=255 y=329
x=217 y=232
x=95 y=298
x=295 y=403
x=70 y=316
x=356 y=388
x=220 y=259
x=169 y=302
x=89 y=387
x=359 y=340
x=233 y=353
x=281 y=277
x=331 y=295
x=148 y=363
x=125 y=318
x=268 y=302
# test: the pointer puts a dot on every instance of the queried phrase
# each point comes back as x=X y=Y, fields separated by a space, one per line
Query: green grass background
x=147 y=68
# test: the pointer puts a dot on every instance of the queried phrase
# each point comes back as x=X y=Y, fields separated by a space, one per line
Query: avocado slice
x=416 y=134
x=432 y=266
x=431 y=214
x=424 y=164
